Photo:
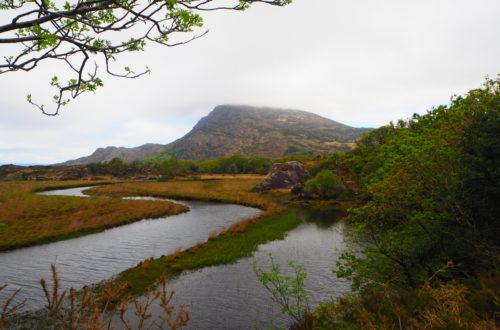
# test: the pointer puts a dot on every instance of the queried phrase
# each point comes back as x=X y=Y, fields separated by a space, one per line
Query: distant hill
x=247 y=131
x=126 y=154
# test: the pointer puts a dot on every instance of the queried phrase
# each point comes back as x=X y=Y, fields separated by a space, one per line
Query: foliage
x=433 y=183
x=77 y=33
x=325 y=184
x=327 y=162
x=118 y=168
x=170 y=167
x=444 y=306
x=235 y=165
x=287 y=291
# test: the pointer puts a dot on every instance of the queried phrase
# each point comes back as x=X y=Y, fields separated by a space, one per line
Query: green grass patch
x=3 y=226
x=226 y=248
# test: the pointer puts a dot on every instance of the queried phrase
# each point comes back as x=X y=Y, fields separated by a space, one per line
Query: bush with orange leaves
x=443 y=306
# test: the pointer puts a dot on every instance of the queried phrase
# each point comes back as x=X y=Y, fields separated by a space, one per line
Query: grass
x=226 y=248
x=29 y=219
x=231 y=189
x=238 y=241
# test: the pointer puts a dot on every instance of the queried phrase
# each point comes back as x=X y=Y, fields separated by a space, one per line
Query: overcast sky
x=360 y=62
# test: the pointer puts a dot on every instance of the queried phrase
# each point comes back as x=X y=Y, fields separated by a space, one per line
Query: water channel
x=219 y=297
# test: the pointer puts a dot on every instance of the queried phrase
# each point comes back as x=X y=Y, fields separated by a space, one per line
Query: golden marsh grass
x=28 y=219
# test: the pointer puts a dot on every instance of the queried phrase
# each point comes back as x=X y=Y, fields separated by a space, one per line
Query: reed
x=28 y=219
x=86 y=309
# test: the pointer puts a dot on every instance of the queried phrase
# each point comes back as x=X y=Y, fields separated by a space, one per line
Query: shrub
x=325 y=184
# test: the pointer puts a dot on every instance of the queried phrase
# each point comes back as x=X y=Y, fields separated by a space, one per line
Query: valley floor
x=28 y=218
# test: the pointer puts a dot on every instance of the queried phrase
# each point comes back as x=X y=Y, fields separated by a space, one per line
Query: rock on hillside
x=249 y=131
x=283 y=175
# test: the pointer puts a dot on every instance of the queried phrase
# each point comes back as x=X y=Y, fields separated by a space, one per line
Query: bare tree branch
x=100 y=30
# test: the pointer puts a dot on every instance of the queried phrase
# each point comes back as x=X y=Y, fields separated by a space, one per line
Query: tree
x=434 y=188
x=77 y=32
x=171 y=167
x=325 y=184
x=288 y=291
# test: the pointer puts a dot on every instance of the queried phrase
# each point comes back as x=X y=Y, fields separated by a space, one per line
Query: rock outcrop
x=283 y=176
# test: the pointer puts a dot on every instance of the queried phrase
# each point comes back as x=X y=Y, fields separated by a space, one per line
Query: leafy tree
x=288 y=291
x=434 y=188
x=171 y=167
x=424 y=250
x=325 y=184
x=77 y=33
x=235 y=165
x=115 y=167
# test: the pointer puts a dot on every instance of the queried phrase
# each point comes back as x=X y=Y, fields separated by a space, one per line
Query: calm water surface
x=220 y=297
x=93 y=258
x=231 y=297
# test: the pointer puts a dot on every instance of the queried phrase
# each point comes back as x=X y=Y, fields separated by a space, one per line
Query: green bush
x=325 y=184
x=171 y=167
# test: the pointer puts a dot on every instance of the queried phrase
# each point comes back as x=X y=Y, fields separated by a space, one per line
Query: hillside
x=125 y=154
x=247 y=131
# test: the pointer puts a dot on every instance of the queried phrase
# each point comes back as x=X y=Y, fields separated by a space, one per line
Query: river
x=219 y=297
x=97 y=257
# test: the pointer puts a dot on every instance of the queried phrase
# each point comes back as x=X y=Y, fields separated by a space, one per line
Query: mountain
x=247 y=131
x=126 y=154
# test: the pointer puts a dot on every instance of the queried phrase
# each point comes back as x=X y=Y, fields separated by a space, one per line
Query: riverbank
x=225 y=246
x=27 y=218
x=235 y=189
x=239 y=241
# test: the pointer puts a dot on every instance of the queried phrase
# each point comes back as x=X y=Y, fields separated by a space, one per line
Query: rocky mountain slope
x=126 y=154
x=247 y=131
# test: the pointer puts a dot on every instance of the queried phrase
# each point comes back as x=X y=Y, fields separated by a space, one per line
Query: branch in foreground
x=84 y=30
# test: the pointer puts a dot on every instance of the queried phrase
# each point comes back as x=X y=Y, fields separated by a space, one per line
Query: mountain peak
x=247 y=131
x=261 y=131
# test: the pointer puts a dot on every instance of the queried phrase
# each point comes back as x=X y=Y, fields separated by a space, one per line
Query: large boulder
x=283 y=176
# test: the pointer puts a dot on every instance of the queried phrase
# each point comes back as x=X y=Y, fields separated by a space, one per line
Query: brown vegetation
x=212 y=235
x=233 y=189
x=10 y=307
x=73 y=310
x=442 y=306
x=28 y=219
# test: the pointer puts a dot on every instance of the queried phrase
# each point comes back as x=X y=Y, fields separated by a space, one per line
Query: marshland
x=306 y=165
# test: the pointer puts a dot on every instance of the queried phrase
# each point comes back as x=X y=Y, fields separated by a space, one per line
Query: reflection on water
x=220 y=297
x=231 y=297
x=93 y=258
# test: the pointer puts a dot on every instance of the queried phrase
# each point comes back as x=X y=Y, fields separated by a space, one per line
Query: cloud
x=360 y=62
